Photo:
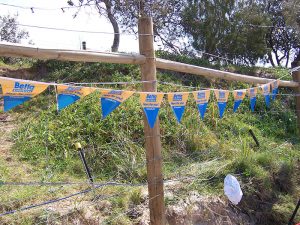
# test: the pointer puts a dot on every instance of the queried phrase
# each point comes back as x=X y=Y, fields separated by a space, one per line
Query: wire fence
x=180 y=174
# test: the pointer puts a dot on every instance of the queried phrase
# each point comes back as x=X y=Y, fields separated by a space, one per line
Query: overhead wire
x=268 y=26
x=94 y=32
x=100 y=32
x=42 y=8
x=79 y=31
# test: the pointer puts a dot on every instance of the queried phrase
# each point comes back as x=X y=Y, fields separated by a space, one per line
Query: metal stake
x=87 y=170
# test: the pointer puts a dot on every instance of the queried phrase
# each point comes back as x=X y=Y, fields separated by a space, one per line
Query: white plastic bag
x=232 y=189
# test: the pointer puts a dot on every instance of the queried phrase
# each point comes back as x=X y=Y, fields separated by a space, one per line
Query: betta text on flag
x=16 y=91
x=25 y=88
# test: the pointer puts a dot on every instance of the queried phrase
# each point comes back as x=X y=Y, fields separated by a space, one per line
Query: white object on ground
x=232 y=189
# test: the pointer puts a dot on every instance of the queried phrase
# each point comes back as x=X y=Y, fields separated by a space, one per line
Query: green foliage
x=204 y=149
x=86 y=72
x=243 y=31
x=136 y=197
x=9 y=30
x=219 y=28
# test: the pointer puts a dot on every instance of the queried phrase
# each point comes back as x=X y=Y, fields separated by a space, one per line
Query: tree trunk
x=296 y=60
x=114 y=23
x=287 y=59
x=271 y=59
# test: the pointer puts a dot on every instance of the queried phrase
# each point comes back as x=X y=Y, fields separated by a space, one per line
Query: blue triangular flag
x=108 y=105
x=236 y=104
x=202 y=109
x=252 y=103
x=151 y=114
x=274 y=93
x=178 y=111
x=65 y=100
x=267 y=100
x=222 y=106
x=11 y=102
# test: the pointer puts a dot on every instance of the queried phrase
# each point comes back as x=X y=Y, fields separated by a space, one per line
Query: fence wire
x=179 y=174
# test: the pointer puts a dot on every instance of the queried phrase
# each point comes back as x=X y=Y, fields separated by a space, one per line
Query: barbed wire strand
x=93 y=202
x=67 y=197
x=199 y=89
x=95 y=186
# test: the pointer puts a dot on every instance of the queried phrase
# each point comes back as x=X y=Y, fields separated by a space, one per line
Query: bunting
x=274 y=86
x=151 y=104
x=238 y=96
x=202 y=98
x=66 y=95
x=222 y=98
x=252 y=92
x=16 y=92
x=266 y=88
x=178 y=102
x=111 y=99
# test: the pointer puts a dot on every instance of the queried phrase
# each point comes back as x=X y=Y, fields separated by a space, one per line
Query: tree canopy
x=243 y=31
x=9 y=30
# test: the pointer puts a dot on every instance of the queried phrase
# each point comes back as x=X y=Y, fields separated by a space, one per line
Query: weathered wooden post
x=152 y=136
x=296 y=78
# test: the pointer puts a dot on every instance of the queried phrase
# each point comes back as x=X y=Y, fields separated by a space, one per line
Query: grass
x=204 y=150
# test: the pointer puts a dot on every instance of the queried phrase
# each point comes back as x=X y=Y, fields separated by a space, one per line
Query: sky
x=87 y=19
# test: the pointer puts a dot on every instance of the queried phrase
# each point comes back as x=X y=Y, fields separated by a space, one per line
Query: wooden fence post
x=296 y=78
x=152 y=136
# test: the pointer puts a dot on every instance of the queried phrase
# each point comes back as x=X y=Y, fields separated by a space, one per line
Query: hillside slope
x=196 y=153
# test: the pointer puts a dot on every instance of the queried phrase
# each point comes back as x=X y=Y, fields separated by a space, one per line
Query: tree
x=104 y=8
x=166 y=17
x=243 y=31
x=217 y=27
x=9 y=30
x=292 y=16
x=166 y=20
x=280 y=38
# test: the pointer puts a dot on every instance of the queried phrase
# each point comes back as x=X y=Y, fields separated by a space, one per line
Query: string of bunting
x=17 y=91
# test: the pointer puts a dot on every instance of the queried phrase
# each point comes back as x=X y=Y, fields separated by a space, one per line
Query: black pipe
x=87 y=170
x=291 y=221
x=254 y=137
x=84 y=45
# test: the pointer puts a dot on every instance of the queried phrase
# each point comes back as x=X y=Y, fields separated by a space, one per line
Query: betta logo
x=151 y=98
x=73 y=89
x=221 y=94
x=177 y=97
x=115 y=92
x=201 y=95
x=239 y=93
x=23 y=87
